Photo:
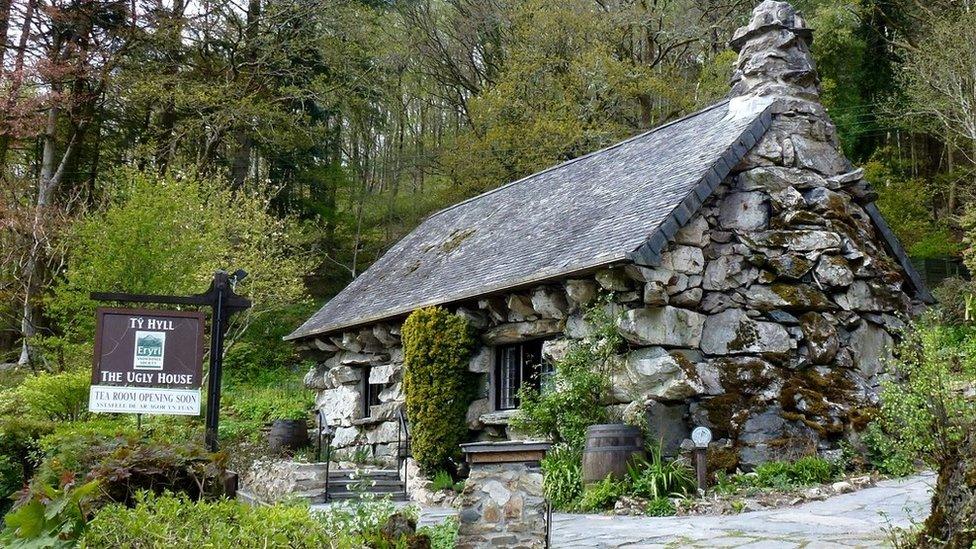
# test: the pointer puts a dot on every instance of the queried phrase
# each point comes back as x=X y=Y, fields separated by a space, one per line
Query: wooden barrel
x=288 y=435
x=609 y=448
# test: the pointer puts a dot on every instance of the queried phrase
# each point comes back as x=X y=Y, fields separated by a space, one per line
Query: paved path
x=859 y=519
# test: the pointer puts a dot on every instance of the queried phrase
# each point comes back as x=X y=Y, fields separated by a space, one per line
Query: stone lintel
x=520 y=331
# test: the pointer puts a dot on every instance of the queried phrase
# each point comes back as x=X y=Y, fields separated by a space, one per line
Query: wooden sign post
x=222 y=301
x=701 y=436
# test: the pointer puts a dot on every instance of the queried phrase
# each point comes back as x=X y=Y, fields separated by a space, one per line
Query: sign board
x=147 y=362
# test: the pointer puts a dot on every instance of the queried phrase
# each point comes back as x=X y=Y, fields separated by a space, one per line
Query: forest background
x=145 y=143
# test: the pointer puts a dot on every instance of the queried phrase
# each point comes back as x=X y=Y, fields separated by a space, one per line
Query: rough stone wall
x=803 y=301
x=275 y=480
x=502 y=506
x=339 y=380
x=768 y=319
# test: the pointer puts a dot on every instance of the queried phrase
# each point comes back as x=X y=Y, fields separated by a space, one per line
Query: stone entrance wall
x=503 y=506
x=768 y=319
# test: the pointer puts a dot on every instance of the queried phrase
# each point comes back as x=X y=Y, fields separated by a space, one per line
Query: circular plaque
x=701 y=436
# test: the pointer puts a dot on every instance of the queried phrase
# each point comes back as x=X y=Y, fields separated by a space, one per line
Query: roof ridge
x=581 y=157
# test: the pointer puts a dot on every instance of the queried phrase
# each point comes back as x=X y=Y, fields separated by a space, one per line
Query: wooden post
x=701 y=469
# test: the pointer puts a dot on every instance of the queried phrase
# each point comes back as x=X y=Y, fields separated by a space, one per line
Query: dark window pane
x=371 y=392
x=508 y=377
x=516 y=365
x=546 y=376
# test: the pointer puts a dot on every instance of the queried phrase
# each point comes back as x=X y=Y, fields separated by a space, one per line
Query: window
x=517 y=365
x=371 y=392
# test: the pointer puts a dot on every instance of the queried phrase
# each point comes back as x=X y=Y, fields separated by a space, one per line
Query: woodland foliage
x=167 y=235
x=361 y=118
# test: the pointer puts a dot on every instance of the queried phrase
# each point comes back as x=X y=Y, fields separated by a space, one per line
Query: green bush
x=31 y=410
x=814 y=470
x=660 y=507
x=260 y=355
x=562 y=471
x=11 y=480
x=52 y=397
x=786 y=475
x=923 y=413
x=885 y=454
x=175 y=521
x=444 y=481
x=45 y=516
x=19 y=438
x=658 y=478
x=126 y=461
x=957 y=301
x=583 y=379
x=601 y=495
x=268 y=403
x=443 y=535
x=67 y=447
x=437 y=384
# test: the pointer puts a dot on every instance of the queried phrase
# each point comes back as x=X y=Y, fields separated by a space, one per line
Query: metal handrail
x=326 y=429
x=403 y=445
x=548 y=541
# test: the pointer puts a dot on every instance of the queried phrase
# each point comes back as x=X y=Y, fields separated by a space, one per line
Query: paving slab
x=859 y=519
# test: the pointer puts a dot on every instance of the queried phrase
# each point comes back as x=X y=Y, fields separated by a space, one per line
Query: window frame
x=371 y=392
x=533 y=373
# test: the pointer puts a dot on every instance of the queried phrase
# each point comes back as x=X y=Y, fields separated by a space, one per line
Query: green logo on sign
x=150 y=347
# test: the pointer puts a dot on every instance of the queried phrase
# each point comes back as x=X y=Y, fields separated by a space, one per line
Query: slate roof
x=621 y=203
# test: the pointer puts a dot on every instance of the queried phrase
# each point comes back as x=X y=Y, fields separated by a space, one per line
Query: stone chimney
x=775 y=65
x=774 y=54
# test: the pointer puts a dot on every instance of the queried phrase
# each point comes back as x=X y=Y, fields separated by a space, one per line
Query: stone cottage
x=752 y=276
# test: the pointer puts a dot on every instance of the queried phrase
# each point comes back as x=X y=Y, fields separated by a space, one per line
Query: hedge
x=438 y=386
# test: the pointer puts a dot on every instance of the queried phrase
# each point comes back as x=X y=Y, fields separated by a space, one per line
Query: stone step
x=312 y=496
x=372 y=490
x=373 y=474
x=346 y=496
x=374 y=482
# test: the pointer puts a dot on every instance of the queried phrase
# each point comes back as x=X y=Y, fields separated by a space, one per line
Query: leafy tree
x=939 y=77
x=570 y=85
x=904 y=201
x=167 y=235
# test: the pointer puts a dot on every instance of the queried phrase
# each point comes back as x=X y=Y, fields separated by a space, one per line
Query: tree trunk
x=30 y=274
x=167 y=118
x=240 y=161
x=18 y=75
x=51 y=174
x=4 y=27
x=951 y=206
x=950 y=524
